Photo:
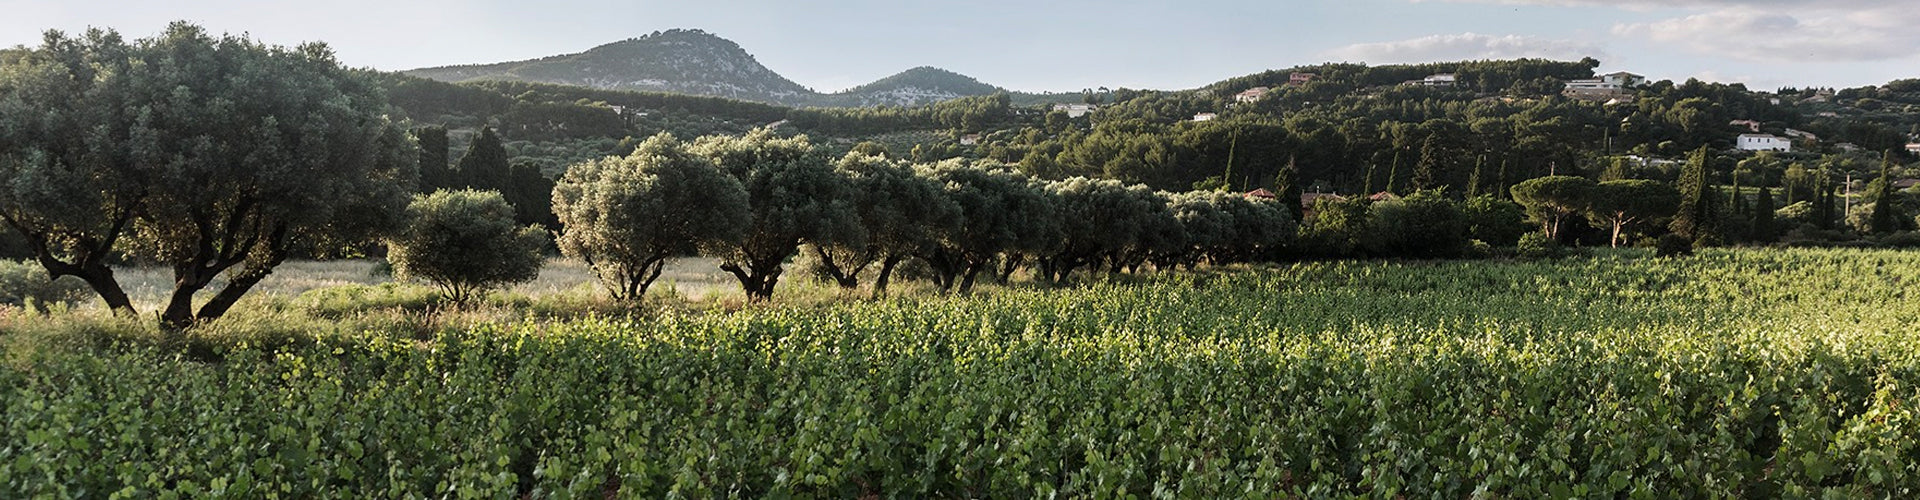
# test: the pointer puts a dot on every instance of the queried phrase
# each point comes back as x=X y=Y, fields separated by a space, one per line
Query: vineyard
x=1759 y=374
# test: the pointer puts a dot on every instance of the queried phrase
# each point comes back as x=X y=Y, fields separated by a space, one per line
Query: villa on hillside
x=1075 y=110
x=1749 y=124
x=1802 y=134
x=1435 y=80
x=1763 y=142
x=1914 y=148
x=1250 y=95
x=1298 y=78
x=1205 y=117
x=1607 y=88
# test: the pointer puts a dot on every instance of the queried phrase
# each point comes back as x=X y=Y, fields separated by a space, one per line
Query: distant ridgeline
x=1471 y=127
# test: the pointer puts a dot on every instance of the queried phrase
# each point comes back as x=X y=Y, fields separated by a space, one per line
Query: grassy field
x=1756 y=374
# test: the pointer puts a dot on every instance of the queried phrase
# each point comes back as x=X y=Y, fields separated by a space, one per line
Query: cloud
x=1796 y=35
x=1467 y=46
x=1694 y=4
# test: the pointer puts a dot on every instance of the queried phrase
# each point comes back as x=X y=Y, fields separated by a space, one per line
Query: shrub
x=23 y=282
x=466 y=242
x=1538 y=246
x=1672 y=245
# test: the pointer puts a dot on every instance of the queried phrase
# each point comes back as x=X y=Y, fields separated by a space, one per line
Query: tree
x=1763 y=215
x=1621 y=203
x=214 y=156
x=484 y=166
x=794 y=196
x=1494 y=220
x=1001 y=211
x=899 y=213
x=1426 y=172
x=625 y=216
x=1695 y=218
x=1286 y=187
x=531 y=194
x=1102 y=218
x=435 y=171
x=1550 y=200
x=1885 y=218
x=1424 y=224
x=465 y=242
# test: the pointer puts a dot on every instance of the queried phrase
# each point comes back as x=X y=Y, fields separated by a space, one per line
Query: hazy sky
x=1040 y=45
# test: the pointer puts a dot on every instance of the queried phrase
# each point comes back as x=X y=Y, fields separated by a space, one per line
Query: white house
x=1914 y=148
x=1252 y=94
x=1763 y=142
x=1205 y=117
x=1622 y=79
x=1436 y=80
x=1075 y=110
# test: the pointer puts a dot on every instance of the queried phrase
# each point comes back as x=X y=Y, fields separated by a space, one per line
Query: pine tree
x=1695 y=218
x=485 y=167
x=1393 y=173
x=435 y=171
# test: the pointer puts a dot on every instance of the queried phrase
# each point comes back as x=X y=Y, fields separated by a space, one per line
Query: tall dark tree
x=531 y=194
x=1286 y=186
x=484 y=166
x=435 y=170
x=1763 y=230
x=1885 y=208
x=1695 y=220
x=1426 y=173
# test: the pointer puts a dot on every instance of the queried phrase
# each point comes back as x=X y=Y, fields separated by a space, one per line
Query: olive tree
x=1001 y=212
x=466 y=242
x=898 y=213
x=1616 y=205
x=216 y=156
x=625 y=216
x=794 y=196
x=1552 y=199
x=1101 y=219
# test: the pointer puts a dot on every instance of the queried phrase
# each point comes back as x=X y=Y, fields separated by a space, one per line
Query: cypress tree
x=485 y=167
x=1695 y=218
x=1473 y=182
x=1763 y=231
x=1425 y=173
x=1286 y=186
x=1884 y=219
x=435 y=172
x=1392 y=173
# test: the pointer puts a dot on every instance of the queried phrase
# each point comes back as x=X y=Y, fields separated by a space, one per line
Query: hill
x=699 y=63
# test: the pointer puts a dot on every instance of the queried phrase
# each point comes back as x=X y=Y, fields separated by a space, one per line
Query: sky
x=1069 y=45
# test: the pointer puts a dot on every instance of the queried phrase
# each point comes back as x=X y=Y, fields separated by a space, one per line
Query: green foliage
x=1697 y=216
x=794 y=196
x=1537 y=246
x=466 y=242
x=22 y=283
x=217 y=156
x=1425 y=224
x=1552 y=199
x=484 y=166
x=1496 y=221
x=1609 y=377
x=436 y=173
x=625 y=216
x=1672 y=245
x=899 y=212
x=1001 y=212
x=1619 y=205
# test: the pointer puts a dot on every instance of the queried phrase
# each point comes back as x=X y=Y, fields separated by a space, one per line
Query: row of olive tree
x=755 y=201
x=215 y=156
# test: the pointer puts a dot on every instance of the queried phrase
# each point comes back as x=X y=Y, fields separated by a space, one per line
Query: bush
x=466 y=242
x=23 y=282
x=1672 y=245
x=1538 y=246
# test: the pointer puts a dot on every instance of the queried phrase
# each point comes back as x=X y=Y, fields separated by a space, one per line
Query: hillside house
x=1749 y=124
x=1435 y=80
x=1763 y=142
x=1205 y=117
x=1250 y=95
x=1075 y=110
x=1802 y=134
x=1308 y=199
x=1914 y=148
x=1261 y=193
x=970 y=140
x=1298 y=78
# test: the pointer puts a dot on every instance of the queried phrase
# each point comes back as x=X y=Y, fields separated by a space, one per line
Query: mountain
x=920 y=85
x=700 y=63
